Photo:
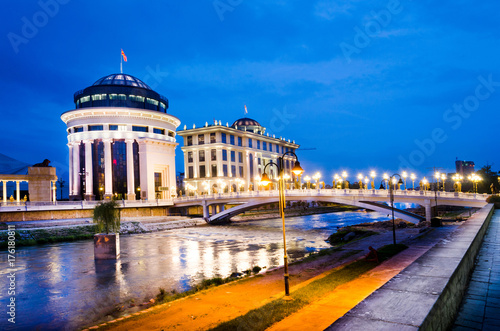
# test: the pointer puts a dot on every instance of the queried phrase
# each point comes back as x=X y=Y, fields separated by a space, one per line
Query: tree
x=488 y=177
x=61 y=182
x=107 y=217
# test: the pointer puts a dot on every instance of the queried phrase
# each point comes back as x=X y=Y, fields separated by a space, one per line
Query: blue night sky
x=370 y=84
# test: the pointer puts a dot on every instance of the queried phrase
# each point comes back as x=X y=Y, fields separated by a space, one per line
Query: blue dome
x=121 y=80
x=245 y=122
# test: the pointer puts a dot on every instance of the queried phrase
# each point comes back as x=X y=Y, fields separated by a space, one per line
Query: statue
x=44 y=164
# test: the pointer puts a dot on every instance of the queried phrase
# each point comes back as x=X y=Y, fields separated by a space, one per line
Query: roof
x=121 y=80
x=245 y=122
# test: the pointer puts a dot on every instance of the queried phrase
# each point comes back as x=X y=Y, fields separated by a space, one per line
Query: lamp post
x=366 y=182
x=344 y=175
x=316 y=177
x=425 y=182
x=457 y=179
x=297 y=170
x=372 y=175
x=443 y=177
x=286 y=177
x=391 y=193
x=360 y=181
x=308 y=180
x=474 y=179
x=336 y=179
x=404 y=175
x=437 y=175
x=386 y=178
x=413 y=177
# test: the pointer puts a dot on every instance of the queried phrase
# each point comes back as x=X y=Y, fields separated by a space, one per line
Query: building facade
x=121 y=141
x=220 y=158
x=464 y=168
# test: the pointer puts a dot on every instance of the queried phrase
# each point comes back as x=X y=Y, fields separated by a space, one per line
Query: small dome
x=121 y=80
x=245 y=122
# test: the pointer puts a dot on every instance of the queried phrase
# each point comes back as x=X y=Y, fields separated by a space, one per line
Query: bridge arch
x=254 y=203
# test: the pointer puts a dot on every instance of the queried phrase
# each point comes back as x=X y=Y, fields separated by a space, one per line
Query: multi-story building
x=464 y=168
x=121 y=141
x=220 y=158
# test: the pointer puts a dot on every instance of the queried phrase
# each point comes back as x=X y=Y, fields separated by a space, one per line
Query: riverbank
x=51 y=231
x=209 y=308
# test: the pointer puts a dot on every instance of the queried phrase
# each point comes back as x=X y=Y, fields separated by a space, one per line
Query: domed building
x=221 y=158
x=121 y=141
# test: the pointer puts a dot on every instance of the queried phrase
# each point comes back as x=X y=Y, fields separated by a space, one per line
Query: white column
x=53 y=191
x=247 y=171
x=196 y=164
x=255 y=172
x=4 y=191
x=89 y=182
x=108 y=173
x=76 y=169
x=70 y=147
x=18 y=193
x=130 y=169
x=219 y=163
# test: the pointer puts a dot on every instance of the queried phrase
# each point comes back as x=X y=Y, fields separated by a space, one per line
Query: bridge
x=368 y=199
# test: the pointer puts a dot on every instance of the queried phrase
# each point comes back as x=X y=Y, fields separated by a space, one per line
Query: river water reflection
x=60 y=286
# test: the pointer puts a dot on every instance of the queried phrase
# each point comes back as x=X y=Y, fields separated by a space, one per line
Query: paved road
x=480 y=308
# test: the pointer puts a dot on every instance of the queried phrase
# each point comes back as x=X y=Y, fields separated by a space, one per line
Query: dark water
x=60 y=286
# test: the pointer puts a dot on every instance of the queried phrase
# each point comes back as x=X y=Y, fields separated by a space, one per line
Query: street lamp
x=474 y=179
x=404 y=175
x=372 y=175
x=344 y=175
x=443 y=177
x=391 y=193
x=336 y=180
x=101 y=189
x=437 y=175
x=386 y=178
x=360 y=181
x=308 y=179
x=457 y=179
x=316 y=177
x=424 y=182
x=286 y=177
x=366 y=182
x=413 y=177
x=297 y=170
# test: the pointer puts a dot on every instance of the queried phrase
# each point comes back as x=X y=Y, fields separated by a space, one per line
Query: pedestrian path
x=480 y=308
x=322 y=313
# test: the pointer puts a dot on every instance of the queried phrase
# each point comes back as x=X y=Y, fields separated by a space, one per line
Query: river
x=60 y=286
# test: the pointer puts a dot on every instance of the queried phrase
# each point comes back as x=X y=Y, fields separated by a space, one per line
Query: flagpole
x=121 y=65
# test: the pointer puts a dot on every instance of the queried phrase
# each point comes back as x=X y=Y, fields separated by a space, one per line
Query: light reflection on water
x=60 y=286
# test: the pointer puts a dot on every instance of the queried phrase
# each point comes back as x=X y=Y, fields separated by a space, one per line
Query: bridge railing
x=332 y=192
x=48 y=205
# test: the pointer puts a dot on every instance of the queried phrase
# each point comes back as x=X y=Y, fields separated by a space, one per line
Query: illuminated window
x=152 y=101
x=190 y=140
x=85 y=99
x=212 y=138
x=78 y=129
x=201 y=156
x=214 y=170
x=213 y=153
x=96 y=97
x=190 y=157
x=240 y=157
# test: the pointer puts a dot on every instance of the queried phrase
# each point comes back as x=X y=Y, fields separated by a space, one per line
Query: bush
x=493 y=199
x=256 y=269
x=107 y=217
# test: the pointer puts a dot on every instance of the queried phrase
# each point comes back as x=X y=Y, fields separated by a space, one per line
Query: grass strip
x=274 y=311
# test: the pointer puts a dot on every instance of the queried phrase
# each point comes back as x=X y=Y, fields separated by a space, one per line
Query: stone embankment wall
x=18 y=216
x=427 y=294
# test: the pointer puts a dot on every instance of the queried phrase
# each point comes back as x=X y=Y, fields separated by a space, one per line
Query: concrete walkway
x=480 y=308
x=319 y=315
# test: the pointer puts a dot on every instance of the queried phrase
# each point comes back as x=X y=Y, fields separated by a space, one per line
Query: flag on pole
x=246 y=110
x=124 y=56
